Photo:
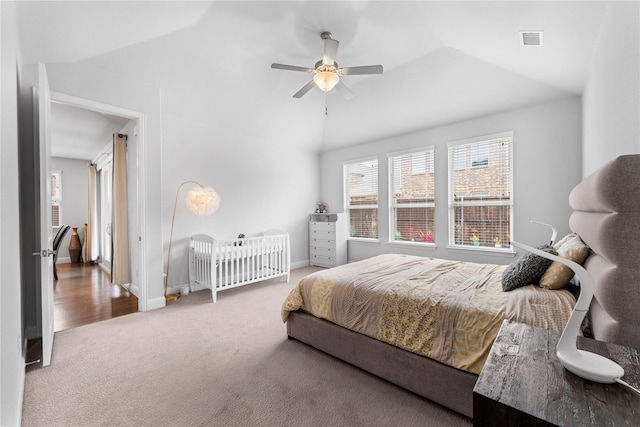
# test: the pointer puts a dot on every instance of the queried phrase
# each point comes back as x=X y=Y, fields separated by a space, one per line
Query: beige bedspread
x=450 y=311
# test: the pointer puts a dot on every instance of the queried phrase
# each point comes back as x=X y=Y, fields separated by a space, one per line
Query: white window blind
x=412 y=196
x=361 y=194
x=56 y=198
x=480 y=191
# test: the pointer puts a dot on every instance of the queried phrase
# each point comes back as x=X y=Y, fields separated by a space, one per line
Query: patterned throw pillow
x=558 y=275
x=564 y=240
x=527 y=270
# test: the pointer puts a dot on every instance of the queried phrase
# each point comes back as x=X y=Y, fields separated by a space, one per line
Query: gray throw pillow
x=527 y=270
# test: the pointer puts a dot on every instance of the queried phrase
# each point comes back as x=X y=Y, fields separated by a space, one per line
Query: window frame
x=346 y=195
x=429 y=168
x=453 y=204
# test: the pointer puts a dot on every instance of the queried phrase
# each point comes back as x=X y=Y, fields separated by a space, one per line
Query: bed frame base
x=447 y=386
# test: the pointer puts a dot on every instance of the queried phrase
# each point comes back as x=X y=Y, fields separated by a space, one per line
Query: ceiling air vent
x=531 y=38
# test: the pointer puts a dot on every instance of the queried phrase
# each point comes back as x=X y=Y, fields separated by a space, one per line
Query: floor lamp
x=201 y=201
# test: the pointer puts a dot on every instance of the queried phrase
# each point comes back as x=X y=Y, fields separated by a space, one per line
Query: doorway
x=135 y=145
x=136 y=153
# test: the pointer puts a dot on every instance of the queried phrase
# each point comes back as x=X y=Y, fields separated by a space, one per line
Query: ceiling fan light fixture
x=326 y=80
x=326 y=74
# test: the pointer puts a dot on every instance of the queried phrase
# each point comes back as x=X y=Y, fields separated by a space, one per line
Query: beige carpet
x=195 y=363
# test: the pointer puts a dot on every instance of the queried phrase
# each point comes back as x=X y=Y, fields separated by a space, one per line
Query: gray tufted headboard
x=607 y=217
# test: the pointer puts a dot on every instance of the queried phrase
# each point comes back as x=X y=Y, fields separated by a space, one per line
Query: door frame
x=141 y=207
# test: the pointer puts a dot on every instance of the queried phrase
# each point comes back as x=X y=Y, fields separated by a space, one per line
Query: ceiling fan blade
x=291 y=68
x=330 y=51
x=344 y=91
x=305 y=89
x=365 y=69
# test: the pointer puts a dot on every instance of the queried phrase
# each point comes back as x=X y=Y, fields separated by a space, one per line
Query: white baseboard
x=176 y=289
x=198 y=287
x=299 y=264
x=156 y=303
x=134 y=289
x=131 y=287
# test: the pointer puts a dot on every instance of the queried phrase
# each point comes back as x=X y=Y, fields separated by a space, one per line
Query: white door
x=43 y=107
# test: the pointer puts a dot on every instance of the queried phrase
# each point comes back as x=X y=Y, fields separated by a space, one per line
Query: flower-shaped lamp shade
x=202 y=200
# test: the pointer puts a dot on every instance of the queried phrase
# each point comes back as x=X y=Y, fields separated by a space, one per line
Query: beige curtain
x=119 y=225
x=88 y=251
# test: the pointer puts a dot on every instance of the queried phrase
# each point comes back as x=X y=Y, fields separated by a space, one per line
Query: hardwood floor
x=83 y=294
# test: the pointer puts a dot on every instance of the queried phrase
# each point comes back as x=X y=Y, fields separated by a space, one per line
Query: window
x=361 y=197
x=480 y=193
x=412 y=196
x=106 y=205
x=56 y=198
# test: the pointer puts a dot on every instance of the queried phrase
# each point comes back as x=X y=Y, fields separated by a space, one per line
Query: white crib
x=226 y=264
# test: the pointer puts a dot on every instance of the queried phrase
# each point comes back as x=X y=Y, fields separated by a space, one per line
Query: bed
x=443 y=362
x=227 y=264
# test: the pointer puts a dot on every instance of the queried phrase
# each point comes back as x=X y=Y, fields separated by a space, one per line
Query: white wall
x=261 y=187
x=12 y=344
x=546 y=162
x=74 y=199
x=611 y=99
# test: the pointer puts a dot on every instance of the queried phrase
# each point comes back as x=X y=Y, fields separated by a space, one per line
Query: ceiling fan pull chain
x=326 y=110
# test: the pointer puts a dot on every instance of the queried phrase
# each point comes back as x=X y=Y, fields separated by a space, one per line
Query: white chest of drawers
x=328 y=234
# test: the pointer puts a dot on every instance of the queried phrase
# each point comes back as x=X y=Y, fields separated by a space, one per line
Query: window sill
x=508 y=252
x=362 y=240
x=417 y=245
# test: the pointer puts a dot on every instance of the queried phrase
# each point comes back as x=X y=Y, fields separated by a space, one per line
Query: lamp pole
x=173 y=218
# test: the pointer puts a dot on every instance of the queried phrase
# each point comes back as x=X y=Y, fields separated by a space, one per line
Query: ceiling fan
x=326 y=72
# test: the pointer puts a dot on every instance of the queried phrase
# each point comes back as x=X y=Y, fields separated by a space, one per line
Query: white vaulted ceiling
x=443 y=61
